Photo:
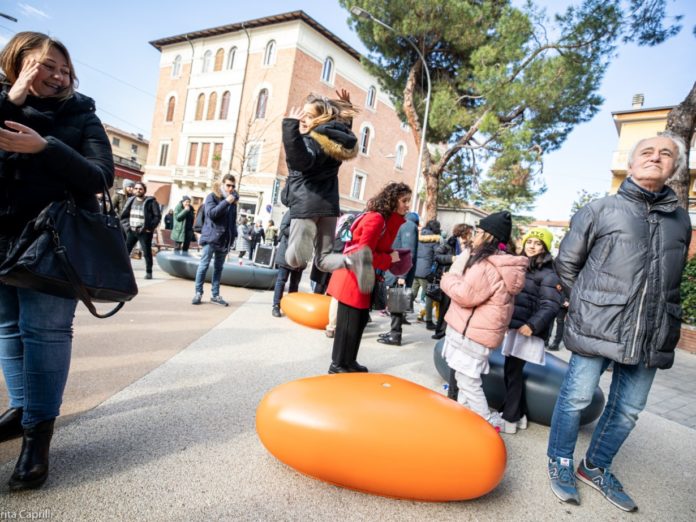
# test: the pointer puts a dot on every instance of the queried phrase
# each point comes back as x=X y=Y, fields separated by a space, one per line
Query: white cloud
x=32 y=11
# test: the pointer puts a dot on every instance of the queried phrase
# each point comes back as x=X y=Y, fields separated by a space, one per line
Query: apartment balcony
x=126 y=162
x=194 y=176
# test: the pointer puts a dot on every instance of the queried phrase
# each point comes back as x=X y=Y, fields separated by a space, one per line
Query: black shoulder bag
x=70 y=252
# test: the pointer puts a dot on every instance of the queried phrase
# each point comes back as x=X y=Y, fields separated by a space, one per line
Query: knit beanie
x=499 y=225
x=542 y=234
x=128 y=183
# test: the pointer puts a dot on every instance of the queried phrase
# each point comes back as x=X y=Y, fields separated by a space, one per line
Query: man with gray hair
x=621 y=263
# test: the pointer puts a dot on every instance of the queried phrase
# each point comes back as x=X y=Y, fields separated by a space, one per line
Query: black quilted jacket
x=622 y=262
x=538 y=303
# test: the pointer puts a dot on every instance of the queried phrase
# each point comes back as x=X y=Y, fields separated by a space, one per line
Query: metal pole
x=361 y=13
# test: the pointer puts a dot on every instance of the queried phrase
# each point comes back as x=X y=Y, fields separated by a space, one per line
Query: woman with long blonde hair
x=317 y=140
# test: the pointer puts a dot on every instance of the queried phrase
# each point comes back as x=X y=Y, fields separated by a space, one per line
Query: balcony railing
x=126 y=162
x=201 y=175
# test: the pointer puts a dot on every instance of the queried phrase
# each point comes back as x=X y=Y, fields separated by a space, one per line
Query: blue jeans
x=208 y=253
x=281 y=279
x=630 y=385
x=35 y=345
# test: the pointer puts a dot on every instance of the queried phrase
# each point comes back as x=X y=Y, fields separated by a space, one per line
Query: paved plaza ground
x=158 y=424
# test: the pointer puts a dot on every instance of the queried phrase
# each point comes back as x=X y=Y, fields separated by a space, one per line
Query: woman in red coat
x=376 y=230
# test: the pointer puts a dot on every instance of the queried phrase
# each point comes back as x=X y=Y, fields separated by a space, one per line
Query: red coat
x=370 y=231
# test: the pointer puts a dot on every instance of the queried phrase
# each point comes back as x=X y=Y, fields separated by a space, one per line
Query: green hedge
x=688 y=293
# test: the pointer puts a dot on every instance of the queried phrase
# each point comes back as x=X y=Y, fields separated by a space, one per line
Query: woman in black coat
x=535 y=310
x=51 y=144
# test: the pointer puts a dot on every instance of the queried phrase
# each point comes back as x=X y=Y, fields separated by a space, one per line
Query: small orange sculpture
x=308 y=309
x=383 y=435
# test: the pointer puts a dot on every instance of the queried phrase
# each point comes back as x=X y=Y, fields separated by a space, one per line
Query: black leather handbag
x=70 y=252
x=399 y=299
x=433 y=291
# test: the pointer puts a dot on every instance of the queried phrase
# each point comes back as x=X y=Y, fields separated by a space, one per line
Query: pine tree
x=508 y=83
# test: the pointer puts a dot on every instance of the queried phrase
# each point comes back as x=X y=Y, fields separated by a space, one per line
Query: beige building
x=130 y=154
x=221 y=98
x=635 y=124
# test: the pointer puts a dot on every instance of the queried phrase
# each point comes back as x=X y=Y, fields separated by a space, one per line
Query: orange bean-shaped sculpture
x=383 y=435
x=308 y=309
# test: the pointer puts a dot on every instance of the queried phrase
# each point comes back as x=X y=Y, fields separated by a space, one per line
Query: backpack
x=200 y=219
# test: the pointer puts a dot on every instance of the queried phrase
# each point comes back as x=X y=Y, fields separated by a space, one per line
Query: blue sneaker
x=563 y=480
x=607 y=484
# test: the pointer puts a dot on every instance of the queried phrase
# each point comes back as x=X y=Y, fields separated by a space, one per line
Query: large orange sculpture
x=383 y=435
x=308 y=309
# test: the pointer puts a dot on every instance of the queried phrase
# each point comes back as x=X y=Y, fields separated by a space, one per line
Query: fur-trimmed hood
x=336 y=140
x=429 y=238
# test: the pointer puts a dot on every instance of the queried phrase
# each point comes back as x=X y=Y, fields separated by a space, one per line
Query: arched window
x=371 y=97
x=199 y=106
x=225 y=105
x=212 y=103
x=269 y=56
x=327 y=71
x=219 y=58
x=261 y=104
x=365 y=136
x=207 y=57
x=400 y=155
x=176 y=66
x=171 y=105
x=230 y=58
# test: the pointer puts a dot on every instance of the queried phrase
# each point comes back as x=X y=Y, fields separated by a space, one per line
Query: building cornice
x=258 y=22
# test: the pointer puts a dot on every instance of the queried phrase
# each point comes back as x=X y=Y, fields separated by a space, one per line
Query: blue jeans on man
x=209 y=253
x=35 y=347
x=630 y=385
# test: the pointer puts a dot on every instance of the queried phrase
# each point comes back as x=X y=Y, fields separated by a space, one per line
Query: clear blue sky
x=118 y=68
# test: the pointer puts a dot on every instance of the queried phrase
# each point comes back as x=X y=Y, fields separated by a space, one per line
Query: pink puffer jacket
x=483 y=298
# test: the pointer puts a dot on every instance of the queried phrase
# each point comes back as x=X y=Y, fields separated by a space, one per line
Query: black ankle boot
x=335 y=368
x=355 y=367
x=11 y=424
x=31 y=470
x=393 y=340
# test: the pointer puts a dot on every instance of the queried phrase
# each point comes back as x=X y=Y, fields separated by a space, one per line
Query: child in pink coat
x=482 y=287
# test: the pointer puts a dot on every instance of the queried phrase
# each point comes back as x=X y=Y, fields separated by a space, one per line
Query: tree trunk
x=429 y=175
x=681 y=121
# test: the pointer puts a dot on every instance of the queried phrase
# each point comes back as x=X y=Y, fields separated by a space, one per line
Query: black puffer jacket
x=428 y=241
x=77 y=159
x=313 y=160
x=541 y=298
x=444 y=254
x=622 y=261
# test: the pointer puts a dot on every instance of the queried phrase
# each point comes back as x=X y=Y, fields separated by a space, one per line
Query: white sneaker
x=496 y=420
x=522 y=423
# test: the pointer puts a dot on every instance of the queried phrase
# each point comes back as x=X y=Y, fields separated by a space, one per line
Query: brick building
x=130 y=153
x=223 y=93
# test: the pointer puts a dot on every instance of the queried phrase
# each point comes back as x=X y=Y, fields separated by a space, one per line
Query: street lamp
x=365 y=15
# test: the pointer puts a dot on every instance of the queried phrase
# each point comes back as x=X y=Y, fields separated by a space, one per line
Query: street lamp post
x=365 y=15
